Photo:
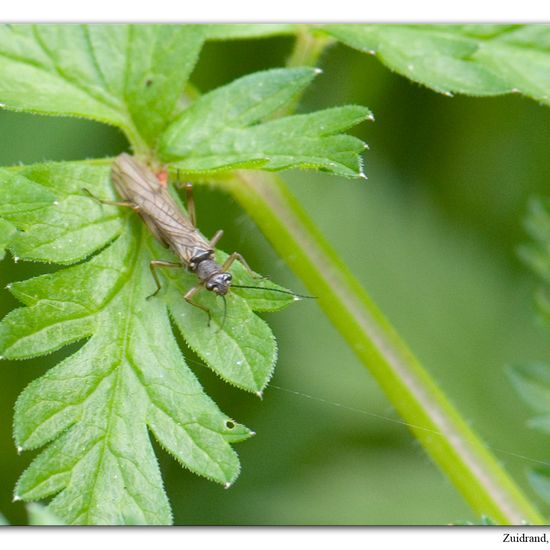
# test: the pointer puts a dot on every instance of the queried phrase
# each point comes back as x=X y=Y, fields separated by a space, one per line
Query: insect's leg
x=216 y=238
x=127 y=204
x=189 y=299
x=189 y=200
x=153 y=266
x=237 y=256
x=190 y=203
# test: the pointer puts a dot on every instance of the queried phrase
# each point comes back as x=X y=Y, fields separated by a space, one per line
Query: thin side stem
x=308 y=47
x=445 y=436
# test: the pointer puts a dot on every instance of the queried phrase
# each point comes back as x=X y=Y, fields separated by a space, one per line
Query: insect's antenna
x=275 y=290
x=224 y=311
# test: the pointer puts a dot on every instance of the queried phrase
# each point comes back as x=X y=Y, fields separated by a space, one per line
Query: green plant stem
x=308 y=47
x=434 y=421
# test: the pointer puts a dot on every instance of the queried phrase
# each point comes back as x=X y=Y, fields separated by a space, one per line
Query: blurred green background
x=432 y=236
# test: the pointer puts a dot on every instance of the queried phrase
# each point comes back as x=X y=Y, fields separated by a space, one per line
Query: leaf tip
x=260 y=394
x=15 y=259
x=16 y=498
x=19 y=449
x=317 y=70
x=227 y=485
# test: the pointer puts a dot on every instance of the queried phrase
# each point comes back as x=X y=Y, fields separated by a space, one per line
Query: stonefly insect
x=147 y=194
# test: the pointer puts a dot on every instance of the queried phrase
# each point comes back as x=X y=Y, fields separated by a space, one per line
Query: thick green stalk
x=434 y=421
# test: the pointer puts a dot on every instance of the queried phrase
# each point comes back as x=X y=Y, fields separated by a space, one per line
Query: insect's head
x=219 y=283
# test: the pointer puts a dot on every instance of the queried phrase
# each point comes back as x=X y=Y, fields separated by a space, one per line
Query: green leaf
x=60 y=223
x=226 y=128
x=239 y=346
x=93 y=410
x=159 y=63
x=21 y=199
x=522 y=57
x=242 y=31
x=239 y=104
x=468 y=59
x=130 y=76
x=133 y=76
x=442 y=59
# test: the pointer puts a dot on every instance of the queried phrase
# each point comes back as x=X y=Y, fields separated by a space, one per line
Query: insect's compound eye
x=227 y=277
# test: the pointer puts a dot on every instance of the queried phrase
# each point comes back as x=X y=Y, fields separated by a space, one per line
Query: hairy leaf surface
x=130 y=76
x=94 y=410
x=468 y=59
x=228 y=128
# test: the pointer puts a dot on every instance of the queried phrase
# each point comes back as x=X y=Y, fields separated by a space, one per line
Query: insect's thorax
x=204 y=267
x=211 y=274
